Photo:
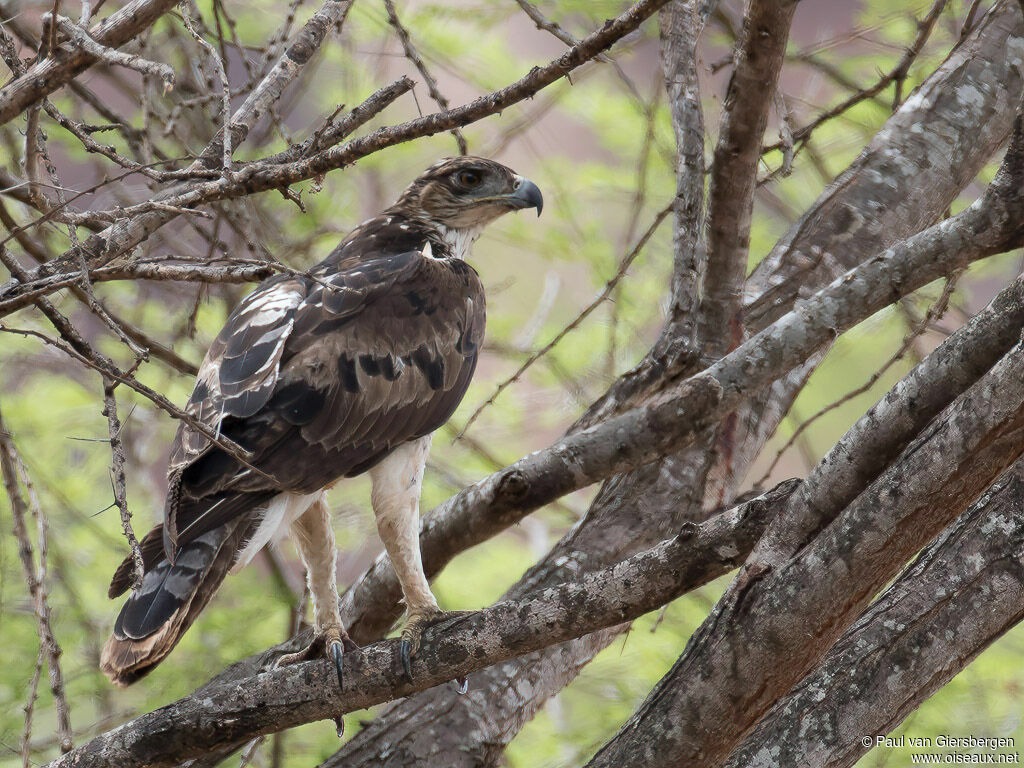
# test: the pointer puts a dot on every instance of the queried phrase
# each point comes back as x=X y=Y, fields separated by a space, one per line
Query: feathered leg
x=315 y=539
x=396 y=506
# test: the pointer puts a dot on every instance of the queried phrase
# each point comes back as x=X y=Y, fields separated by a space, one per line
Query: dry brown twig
x=118 y=479
x=14 y=474
x=417 y=61
x=609 y=286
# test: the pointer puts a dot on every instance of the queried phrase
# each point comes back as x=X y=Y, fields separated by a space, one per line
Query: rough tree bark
x=767 y=631
x=964 y=591
x=231 y=713
x=726 y=680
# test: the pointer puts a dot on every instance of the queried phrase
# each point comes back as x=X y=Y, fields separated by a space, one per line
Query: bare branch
x=281 y=75
x=732 y=669
x=110 y=55
x=417 y=61
x=256 y=177
x=50 y=74
x=234 y=713
x=225 y=91
x=120 y=483
x=896 y=75
x=13 y=469
x=962 y=592
x=734 y=170
x=681 y=24
x=934 y=312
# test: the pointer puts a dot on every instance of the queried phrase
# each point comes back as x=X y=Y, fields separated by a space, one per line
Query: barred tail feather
x=171 y=596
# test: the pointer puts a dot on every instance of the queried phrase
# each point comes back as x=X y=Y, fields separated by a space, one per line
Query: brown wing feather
x=370 y=357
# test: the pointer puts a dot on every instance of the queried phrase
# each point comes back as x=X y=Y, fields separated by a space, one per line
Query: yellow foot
x=413 y=632
x=332 y=642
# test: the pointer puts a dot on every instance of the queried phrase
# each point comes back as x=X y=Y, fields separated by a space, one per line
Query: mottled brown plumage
x=319 y=376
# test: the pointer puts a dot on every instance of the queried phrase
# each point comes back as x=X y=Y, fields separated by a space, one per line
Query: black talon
x=461 y=685
x=339 y=727
x=336 y=654
x=406 y=652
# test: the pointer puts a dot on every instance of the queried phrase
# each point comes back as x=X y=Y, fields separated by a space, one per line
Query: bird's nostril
x=517 y=184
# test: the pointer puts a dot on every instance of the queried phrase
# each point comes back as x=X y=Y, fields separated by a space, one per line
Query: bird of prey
x=318 y=376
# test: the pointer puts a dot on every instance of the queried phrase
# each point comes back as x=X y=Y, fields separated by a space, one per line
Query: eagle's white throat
x=460 y=241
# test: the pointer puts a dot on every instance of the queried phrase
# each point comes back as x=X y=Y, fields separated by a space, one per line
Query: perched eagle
x=343 y=370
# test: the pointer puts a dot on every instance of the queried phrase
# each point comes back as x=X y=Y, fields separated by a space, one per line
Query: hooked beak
x=525 y=194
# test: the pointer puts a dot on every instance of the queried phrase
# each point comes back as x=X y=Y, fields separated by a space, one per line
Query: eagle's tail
x=171 y=596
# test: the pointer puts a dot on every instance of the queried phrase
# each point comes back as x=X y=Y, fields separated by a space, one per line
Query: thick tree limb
x=912 y=170
x=772 y=627
x=748 y=100
x=877 y=438
x=964 y=591
x=60 y=67
x=681 y=26
x=926 y=153
x=729 y=677
x=272 y=701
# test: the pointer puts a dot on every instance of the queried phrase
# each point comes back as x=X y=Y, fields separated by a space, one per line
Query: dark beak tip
x=528 y=196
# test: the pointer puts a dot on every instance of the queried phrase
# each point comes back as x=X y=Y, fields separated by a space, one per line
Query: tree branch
x=965 y=590
x=59 y=68
x=771 y=627
x=256 y=177
x=734 y=169
x=231 y=713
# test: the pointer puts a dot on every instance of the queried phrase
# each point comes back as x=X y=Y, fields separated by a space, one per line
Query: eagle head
x=467 y=193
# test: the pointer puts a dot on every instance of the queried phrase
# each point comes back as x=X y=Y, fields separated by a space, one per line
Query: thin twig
x=14 y=470
x=120 y=483
x=225 y=89
x=896 y=74
x=417 y=61
x=604 y=294
x=97 y=363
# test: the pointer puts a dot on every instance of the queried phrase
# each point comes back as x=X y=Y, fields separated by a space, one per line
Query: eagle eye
x=469 y=179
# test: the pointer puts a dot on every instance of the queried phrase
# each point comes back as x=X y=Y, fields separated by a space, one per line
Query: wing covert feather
x=320 y=377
